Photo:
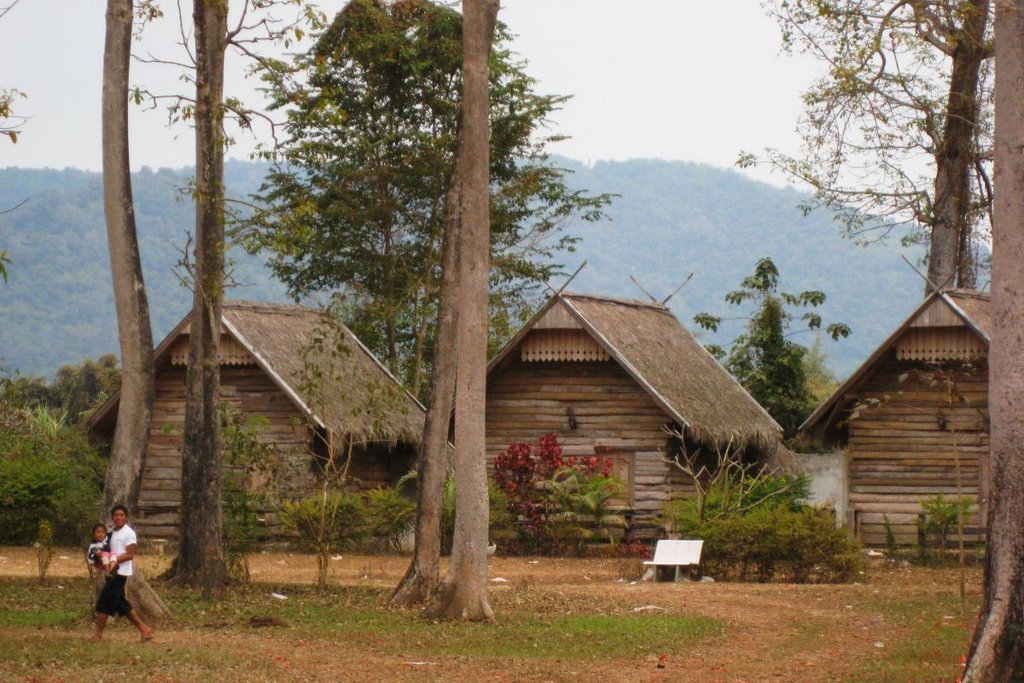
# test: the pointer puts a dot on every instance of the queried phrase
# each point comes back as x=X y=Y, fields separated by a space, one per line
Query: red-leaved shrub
x=521 y=471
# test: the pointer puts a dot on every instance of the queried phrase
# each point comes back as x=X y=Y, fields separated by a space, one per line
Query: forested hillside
x=671 y=218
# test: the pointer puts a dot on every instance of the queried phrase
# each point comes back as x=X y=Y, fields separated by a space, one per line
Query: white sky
x=672 y=79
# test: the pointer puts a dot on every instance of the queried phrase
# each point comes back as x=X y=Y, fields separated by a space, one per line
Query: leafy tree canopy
x=354 y=205
x=74 y=391
x=769 y=365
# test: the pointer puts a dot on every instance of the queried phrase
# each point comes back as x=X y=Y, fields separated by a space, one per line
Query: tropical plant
x=940 y=516
x=763 y=359
x=582 y=507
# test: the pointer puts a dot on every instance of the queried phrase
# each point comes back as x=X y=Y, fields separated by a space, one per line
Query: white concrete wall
x=827 y=472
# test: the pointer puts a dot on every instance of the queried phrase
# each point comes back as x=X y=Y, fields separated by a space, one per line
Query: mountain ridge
x=670 y=218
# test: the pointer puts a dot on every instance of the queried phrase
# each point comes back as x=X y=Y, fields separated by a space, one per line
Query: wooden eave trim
x=518 y=336
x=269 y=369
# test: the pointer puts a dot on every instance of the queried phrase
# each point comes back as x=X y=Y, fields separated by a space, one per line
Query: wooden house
x=612 y=378
x=913 y=419
x=310 y=379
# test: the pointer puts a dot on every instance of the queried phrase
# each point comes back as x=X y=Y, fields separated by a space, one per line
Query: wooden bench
x=676 y=554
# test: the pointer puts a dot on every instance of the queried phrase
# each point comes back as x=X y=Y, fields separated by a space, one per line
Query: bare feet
x=147 y=635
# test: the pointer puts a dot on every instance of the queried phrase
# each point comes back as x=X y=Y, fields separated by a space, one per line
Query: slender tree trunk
x=201 y=556
x=421 y=579
x=463 y=594
x=135 y=336
x=421 y=318
x=998 y=647
x=135 y=410
x=949 y=257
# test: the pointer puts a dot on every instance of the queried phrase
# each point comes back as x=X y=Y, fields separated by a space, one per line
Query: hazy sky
x=671 y=79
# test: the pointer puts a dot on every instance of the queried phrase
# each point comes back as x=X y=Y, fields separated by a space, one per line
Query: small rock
x=499 y=579
x=278 y=596
x=706 y=579
x=648 y=608
x=337 y=557
x=879 y=644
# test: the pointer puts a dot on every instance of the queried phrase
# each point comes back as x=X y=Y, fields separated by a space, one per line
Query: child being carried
x=99 y=554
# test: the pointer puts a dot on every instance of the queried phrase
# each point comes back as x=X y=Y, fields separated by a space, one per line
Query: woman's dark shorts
x=112 y=600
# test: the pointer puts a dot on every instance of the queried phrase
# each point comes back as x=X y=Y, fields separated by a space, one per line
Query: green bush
x=775 y=534
x=324 y=523
x=48 y=472
x=804 y=544
x=390 y=515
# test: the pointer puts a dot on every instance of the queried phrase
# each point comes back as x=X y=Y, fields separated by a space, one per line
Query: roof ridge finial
x=558 y=292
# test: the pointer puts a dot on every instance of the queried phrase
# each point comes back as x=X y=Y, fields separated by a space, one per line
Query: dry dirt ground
x=899 y=623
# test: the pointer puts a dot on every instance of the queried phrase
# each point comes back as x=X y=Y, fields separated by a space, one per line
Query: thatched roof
x=969 y=306
x=320 y=365
x=653 y=347
x=975 y=309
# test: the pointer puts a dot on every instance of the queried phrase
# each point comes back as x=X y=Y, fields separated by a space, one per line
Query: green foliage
x=581 y=508
x=758 y=544
x=891 y=546
x=48 y=472
x=501 y=521
x=326 y=521
x=734 y=496
x=940 y=517
x=763 y=359
x=74 y=391
x=356 y=200
x=248 y=460
x=751 y=531
x=391 y=516
x=44 y=548
x=821 y=381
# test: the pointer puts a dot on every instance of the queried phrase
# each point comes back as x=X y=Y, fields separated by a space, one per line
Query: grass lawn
x=558 y=620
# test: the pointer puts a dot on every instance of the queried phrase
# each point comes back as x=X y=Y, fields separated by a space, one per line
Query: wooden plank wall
x=615 y=418
x=904 y=449
x=251 y=391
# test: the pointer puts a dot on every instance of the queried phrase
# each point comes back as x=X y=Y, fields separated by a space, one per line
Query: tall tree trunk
x=201 y=555
x=948 y=261
x=420 y=580
x=135 y=409
x=463 y=594
x=998 y=646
